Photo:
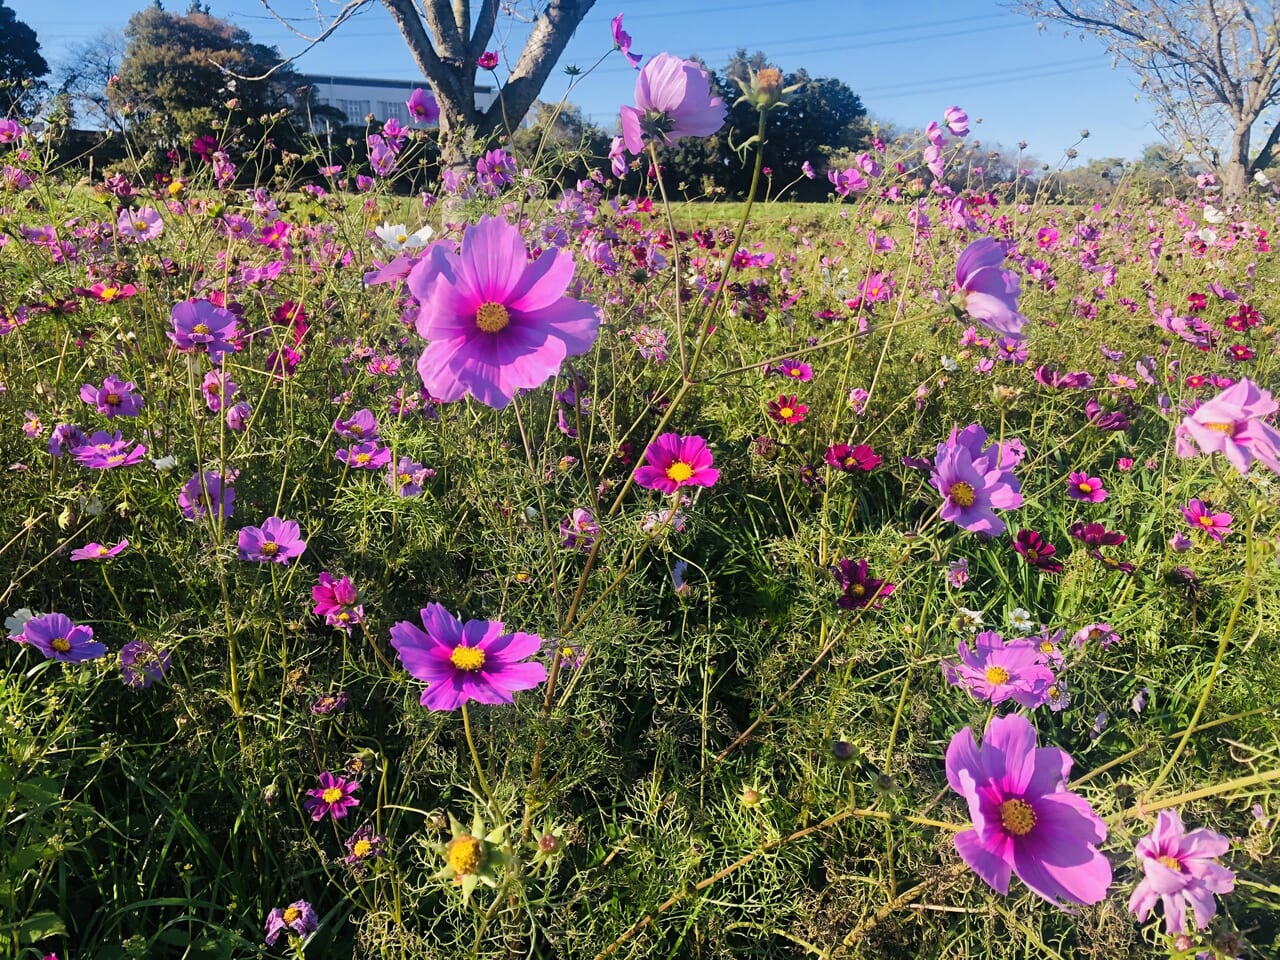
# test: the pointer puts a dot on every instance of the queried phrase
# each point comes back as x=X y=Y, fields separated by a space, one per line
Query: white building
x=357 y=97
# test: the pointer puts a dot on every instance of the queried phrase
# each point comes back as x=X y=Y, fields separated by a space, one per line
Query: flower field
x=503 y=571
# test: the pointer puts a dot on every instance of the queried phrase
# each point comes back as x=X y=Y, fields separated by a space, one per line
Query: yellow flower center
x=1228 y=429
x=201 y=328
x=464 y=855
x=786 y=413
x=492 y=317
x=401 y=237
x=469 y=659
x=355 y=429
x=962 y=494
x=109 y=293
x=60 y=644
x=679 y=472
x=1206 y=521
x=332 y=795
x=1031 y=555
x=291 y=915
x=997 y=675
x=857 y=589
x=113 y=399
x=1046 y=646
x=115 y=459
x=362 y=849
x=270 y=548
x=1017 y=817
x=404 y=478
x=1085 y=487
x=102 y=551
x=1173 y=863
x=363 y=458
x=1054 y=692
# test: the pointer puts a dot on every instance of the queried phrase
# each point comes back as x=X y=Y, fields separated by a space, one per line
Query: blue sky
x=907 y=60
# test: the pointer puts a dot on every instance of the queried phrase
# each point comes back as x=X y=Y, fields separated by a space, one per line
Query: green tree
x=20 y=59
x=560 y=141
x=180 y=72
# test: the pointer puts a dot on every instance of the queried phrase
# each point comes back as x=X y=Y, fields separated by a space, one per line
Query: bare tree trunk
x=1235 y=174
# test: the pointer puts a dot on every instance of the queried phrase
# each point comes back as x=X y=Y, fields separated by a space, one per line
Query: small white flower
x=1213 y=215
x=17 y=621
x=164 y=463
x=1207 y=235
x=1261 y=179
x=397 y=236
x=1020 y=620
x=948 y=364
x=969 y=620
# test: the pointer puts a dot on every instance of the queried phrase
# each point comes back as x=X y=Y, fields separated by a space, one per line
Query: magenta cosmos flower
x=1025 y=821
x=988 y=292
x=471 y=661
x=200 y=325
x=422 y=106
x=333 y=798
x=1201 y=517
x=58 y=638
x=673 y=461
x=276 y=541
x=975 y=479
x=496 y=322
x=106 y=451
x=622 y=42
x=141 y=664
x=1081 y=486
x=1233 y=423
x=996 y=670
x=115 y=398
x=299 y=918
x=1180 y=868
x=201 y=493
x=673 y=100
x=857 y=587
x=98 y=551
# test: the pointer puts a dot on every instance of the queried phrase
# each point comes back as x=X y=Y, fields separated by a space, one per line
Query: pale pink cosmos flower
x=1180 y=869
x=673 y=100
x=1234 y=424
x=988 y=292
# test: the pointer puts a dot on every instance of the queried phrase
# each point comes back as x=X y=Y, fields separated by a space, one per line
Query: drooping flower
x=106 y=451
x=857 y=588
x=496 y=323
x=200 y=325
x=996 y=670
x=1037 y=551
x=673 y=461
x=958 y=573
x=1180 y=869
x=1234 y=424
x=579 y=530
x=218 y=389
x=1102 y=632
x=201 y=492
x=299 y=918
x=1081 y=486
x=1200 y=516
x=471 y=661
x=276 y=541
x=141 y=664
x=622 y=42
x=988 y=292
x=333 y=798
x=673 y=100
x=956 y=120
x=975 y=479
x=58 y=638
x=1096 y=535
x=97 y=551
x=337 y=600
x=115 y=398
x=1025 y=820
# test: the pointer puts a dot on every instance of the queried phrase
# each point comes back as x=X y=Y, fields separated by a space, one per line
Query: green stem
x=475 y=758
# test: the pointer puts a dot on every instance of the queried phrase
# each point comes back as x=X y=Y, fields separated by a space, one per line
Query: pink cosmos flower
x=787 y=409
x=622 y=41
x=496 y=323
x=200 y=325
x=1081 y=486
x=579 y=530
x=673 y=461
x=199 y=493
x=365 y=456
x=58 y=638
x=96 y=551
x=1025 y=821
x=1234 y=424
x=957 y=121
x=332 y=798
x=336 y=601
x=276 y=541
x=140 y=225
x=471 y=661
x=1202 y=518
x=218 y=389
x=975 y=479
x=141 y=664
x=299 y=918
x=106 y=451
x=673 y=100
x=845 y=458
x=1180 y=868
x=422 y=106
x=115 y=398
x=487 y=60
x=986 y=291
x=996 y=670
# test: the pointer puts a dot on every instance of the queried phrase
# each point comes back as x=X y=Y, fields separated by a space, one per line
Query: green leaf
x=39 y=926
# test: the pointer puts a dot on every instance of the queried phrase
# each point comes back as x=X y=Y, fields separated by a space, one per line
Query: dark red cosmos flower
x=859 y=589
x=1096 y=535
x=1196 y=301
x=1111 y=563
x=1037 y=551
x=846 y=458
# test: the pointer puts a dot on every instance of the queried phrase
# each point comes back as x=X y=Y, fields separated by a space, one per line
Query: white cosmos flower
x=1207 y=235
x=17 y=621
x=396 y=236
x=1213 y=215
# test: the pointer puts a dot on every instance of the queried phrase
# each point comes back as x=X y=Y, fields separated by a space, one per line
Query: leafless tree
x=1212 y=68
x=446 y=37
x=85 y=72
